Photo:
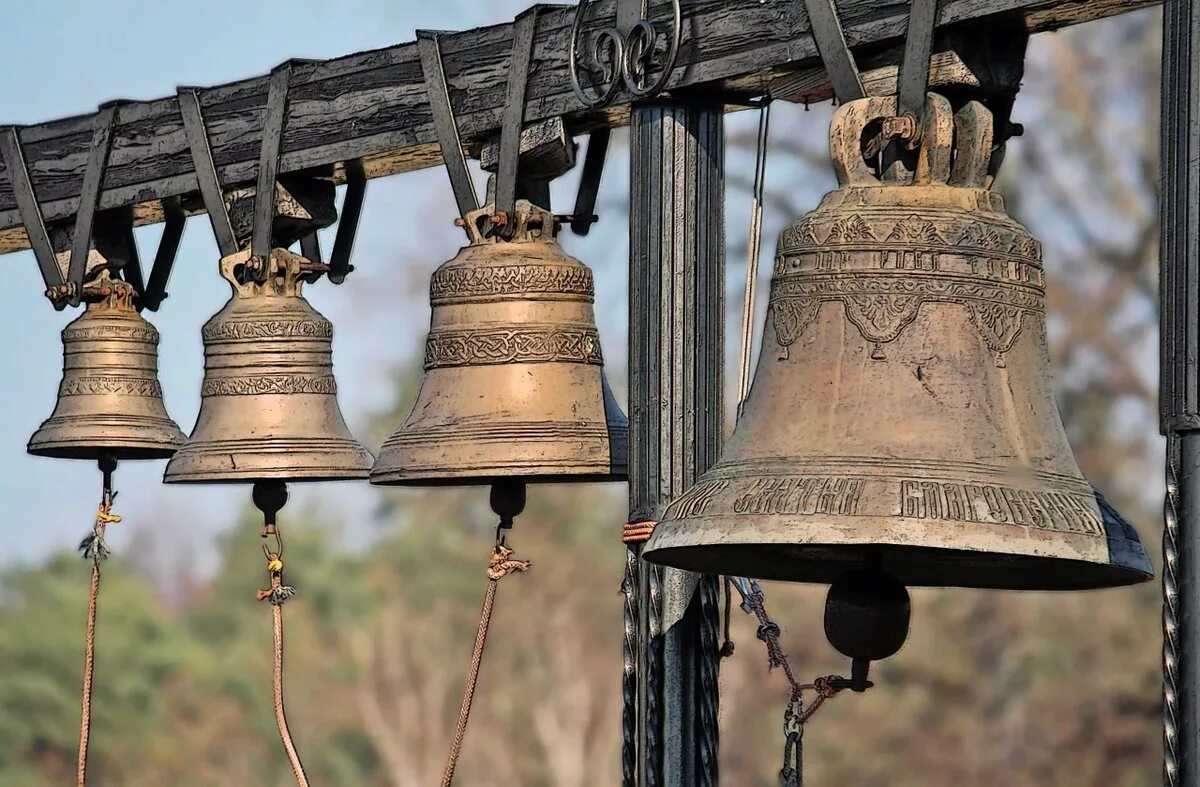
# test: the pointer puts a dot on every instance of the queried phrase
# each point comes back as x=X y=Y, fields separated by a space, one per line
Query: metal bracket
x=624 y=52
x=513 y=120
x=31 y=212
x=206 y=171
x=835 y=53
x=69 y=289
x=444 y=124
x=584 y=215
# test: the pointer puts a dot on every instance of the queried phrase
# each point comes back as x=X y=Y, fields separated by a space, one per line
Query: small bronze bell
x=269 y=401
x=902 y=415
x=109 y=401
x=514 y=384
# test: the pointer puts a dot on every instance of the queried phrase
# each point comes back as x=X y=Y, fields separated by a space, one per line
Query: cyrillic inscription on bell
x=514 y=383
x=902 y=412
x=109 y=401
x=269 y=400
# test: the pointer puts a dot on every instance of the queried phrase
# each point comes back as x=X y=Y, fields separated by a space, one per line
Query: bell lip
x=96 y=452
x=1060 y=573
x=250 y=477
x=434 y=479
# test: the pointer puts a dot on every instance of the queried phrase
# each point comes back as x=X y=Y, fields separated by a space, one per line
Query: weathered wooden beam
x=372 y=106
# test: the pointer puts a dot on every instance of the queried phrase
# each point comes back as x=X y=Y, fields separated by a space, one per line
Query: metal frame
x=1179 y=391
x=676 y=427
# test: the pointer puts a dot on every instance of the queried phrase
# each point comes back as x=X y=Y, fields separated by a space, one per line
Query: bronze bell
x=109 y=401
x=902 y=415
x=514 y=383
x=269 y=401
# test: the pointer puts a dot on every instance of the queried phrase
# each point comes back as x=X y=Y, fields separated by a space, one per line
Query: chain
x=276 y=594
x=795 y=714
x=93 y=547
x=1170 y=621
x=500 y=564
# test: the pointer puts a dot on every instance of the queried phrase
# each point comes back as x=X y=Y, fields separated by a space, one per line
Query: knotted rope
x=94 y=548
x=277 y=594
x=500 y=565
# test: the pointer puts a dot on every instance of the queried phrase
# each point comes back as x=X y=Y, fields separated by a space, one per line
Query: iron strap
x=343 y=242
x=89 y=199
x=31 y=212
x=835 y=53
x=914 y=69
x=206 y=171
x=584 y=215
x=174 y=220
x=268 y=162
x=514 y=115
x=444 y=124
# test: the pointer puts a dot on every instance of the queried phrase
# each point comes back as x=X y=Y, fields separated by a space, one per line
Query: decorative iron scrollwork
x=624 y=59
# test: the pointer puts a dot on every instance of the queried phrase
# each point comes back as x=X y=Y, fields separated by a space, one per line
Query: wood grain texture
x=372 y=105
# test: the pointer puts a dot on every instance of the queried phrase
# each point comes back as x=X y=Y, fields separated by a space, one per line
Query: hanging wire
x=94 y=548
x=754 y=247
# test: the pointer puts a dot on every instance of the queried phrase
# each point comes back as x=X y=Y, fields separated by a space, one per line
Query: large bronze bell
x=514 y=384
x=269 y=401
x=902 y=415
x=109 y=401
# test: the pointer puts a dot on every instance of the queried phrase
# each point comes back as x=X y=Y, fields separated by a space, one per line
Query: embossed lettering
x=1059 y=511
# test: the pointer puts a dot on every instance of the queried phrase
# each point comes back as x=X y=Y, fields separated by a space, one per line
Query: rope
x=277 y=594
x=500 y=565
x=94 y=548
x=637 y=532
x=753 y=247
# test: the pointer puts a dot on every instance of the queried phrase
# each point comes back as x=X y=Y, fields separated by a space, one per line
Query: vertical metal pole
x=676 y=343
x=1179 y=389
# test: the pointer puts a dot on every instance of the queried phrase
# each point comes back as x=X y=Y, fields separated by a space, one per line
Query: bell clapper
x=867 y=613
x=270 y=497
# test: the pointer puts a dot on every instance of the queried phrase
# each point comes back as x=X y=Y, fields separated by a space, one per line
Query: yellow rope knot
x=501 y=563
x=104 y=515
x=275 y=565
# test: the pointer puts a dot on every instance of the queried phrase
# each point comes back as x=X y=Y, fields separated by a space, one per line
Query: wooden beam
x=372 y=106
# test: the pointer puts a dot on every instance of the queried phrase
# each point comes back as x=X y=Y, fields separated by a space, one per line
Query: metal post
x=1179 y=390
x=676 y=343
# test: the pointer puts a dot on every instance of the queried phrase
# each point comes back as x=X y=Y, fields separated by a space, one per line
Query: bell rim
x=123 y=453
x=1084 y=574
x=477 y=478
